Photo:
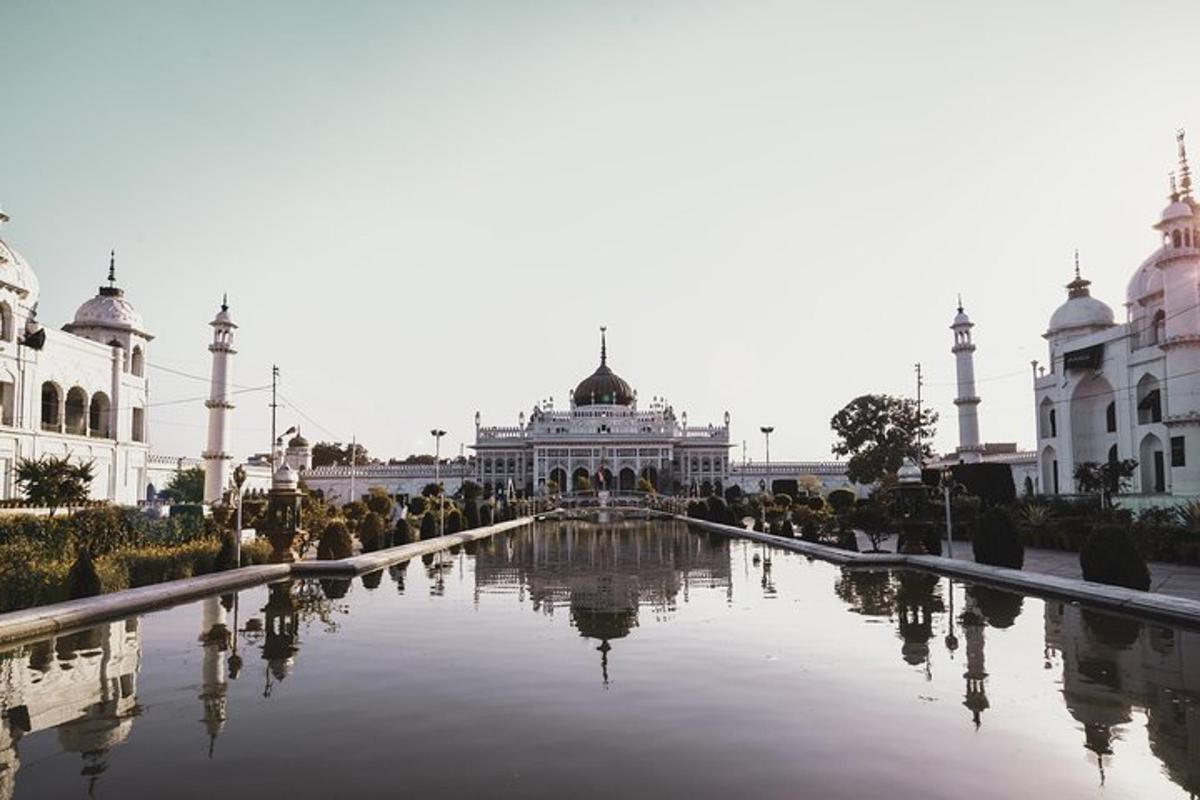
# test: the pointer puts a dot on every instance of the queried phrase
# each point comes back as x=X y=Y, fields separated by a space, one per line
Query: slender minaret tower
x=969 y=449
x=216 y=456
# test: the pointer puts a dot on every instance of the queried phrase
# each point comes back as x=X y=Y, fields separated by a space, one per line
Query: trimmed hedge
x=1109 y=556
x=335 y=542
x=998 y=543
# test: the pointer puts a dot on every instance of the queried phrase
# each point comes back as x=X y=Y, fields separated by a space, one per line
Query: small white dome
x=1147 y=280
x=909 y=472
x=1081 y=312
x=285 y=478
x=109 y=309
x=961 y=318
x=1177 y=210
x=16 y=272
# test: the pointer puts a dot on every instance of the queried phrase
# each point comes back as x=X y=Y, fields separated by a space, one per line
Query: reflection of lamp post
x=239 y=480
x=437 y=434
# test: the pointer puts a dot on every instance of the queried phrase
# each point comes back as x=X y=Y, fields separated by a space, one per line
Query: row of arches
x=626 y=478
x=1152 y=465
x=1093 y=410
x=1183 y=237
x=76 y=413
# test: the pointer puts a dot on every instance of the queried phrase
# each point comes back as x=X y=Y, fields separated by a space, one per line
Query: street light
x=947 y=484
x=437 y=434
x=767 y=431
x=239 y=480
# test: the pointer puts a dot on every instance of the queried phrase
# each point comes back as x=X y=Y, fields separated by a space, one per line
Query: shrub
x=256 y=552
x=226 y=554
x=371 y=532
x=997 y=542
x=335 y=541
x=697 y=509
x=354 y=512
x=380 y=502
x=471 y=513
x=403 y=532
x=783 y=500
x=841 y=500
x=418 y=505
x=1109 y=556
x=454 y=521
x=718 y=510
x=645 y=486
x=82 y=579
x=733 y=494
x=485 y=514
x=809 y=521
x=429 y=526
x=870 y=519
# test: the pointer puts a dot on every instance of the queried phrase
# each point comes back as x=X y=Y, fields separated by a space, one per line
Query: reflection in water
x=603 y=574
x=83 y=684
x=609 y=581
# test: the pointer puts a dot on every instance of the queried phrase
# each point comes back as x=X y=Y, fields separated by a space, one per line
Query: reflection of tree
x=398 y=572
x=999 y=608
x=867 y=592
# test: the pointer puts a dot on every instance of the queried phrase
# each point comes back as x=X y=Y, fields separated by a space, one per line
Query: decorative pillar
x=216 y=456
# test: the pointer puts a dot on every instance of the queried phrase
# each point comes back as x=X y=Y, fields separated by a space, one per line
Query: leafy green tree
x=335 y=454
x=55 y=481
x=186 y=486
x=1107 y=479
x=878 y=432
x=379 y=501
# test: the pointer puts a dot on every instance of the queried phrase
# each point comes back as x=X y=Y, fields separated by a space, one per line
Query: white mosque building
x=1131 y=390
x=78 y=392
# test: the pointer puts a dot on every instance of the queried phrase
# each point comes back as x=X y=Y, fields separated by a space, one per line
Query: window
x=51 y=421
x=139 y=425
x=1178 y=452
x=1053 y=423
x=1110 y=418
x=1150 y=407
x=137 y=361
x=98 y=416
x=6 y=322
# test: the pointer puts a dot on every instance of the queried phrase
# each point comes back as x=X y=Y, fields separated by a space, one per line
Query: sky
x=424 y=210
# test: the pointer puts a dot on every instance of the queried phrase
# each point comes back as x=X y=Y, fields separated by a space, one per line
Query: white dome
x=909 y=472
x=1177 y=210
x=285 y=478
x=1147 y=280
x=961 y=318
x=16 y=272
x=108 y=309
x=1081 y=312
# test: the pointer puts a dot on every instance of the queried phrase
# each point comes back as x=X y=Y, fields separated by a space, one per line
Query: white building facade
x=1114 y=391
x=79 y=392
x=605 y=437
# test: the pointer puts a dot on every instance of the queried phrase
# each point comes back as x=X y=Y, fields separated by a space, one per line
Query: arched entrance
x=628 y=480
x=559 y=476
x=1089 y=415
x=1050 y=471
x=1153 y=467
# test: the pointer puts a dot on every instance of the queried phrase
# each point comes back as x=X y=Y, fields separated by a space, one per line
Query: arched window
x=1110 y=418
x=77 y=411
x=1150 y=400
x=139 y=425
x=98 y=416
x=1053 y=423
x=137 y=361
x=6 y=322
x=1158 y=327
x=51 y=403
x=1187 y=238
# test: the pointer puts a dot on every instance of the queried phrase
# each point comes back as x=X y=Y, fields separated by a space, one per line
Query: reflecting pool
x=639 y=660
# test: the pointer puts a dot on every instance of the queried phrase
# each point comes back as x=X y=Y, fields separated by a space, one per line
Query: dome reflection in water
x=608 y=661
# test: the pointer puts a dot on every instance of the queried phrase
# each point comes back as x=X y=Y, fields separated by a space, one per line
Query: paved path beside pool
x=1175 y=579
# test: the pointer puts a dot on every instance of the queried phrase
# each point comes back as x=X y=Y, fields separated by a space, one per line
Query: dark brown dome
x=603 y=387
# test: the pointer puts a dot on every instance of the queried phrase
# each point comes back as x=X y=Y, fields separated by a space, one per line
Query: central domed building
x=603 y=439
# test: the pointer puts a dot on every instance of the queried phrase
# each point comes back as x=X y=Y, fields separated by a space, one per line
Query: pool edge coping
x=1155 y=605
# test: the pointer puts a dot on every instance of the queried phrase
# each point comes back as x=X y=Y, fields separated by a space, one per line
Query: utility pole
x=920 y=383
x=274 y=406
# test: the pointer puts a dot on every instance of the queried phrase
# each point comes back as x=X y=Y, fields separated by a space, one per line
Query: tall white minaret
x=216 y=456
x=969 y=449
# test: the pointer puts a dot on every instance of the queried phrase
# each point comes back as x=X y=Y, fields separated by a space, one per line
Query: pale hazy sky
x=424 y=209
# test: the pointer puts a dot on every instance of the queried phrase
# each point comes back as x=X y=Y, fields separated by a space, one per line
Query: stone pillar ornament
x=281 y=524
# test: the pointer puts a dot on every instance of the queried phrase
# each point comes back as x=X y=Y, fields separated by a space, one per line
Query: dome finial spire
x=603 y=345
x=1174 y=194
x=112 y=268
x=1076 y=263
x=960 y=305
x=1185 y=172
x=225 y=301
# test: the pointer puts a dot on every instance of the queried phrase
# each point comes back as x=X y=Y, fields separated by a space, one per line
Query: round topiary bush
x=429 y=526
x=335 y=541
x=454 y=521
x=418 y=505
x=403 y=532
x=697 y=509
x=226 y=555
x=1110 y=556
x=998 y=542
x=842 y=500
x=485 y=514
x=718 y=510
x=82 y=579
x=371 y=532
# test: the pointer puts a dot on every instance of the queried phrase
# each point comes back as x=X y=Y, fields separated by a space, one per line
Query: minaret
x=216 y=456
x=967 y=401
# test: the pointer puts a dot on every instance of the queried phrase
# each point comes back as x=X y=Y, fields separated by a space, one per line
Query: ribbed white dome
x=1177 y=210
x=285 y=478
x=108 y=309
x=1147 y=280
x=16 y=272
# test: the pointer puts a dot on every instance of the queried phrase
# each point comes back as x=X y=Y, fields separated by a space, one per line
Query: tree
x=1107 y=479
x=54 y=481
x=879 y=432
x=810 y=484
x=185 y=486
x=334 y=454
x=379 y=501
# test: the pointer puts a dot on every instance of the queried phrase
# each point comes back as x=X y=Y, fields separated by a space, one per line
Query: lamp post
x=947 y=483
x=239 y=480
x=437 y=434
x=767 y=431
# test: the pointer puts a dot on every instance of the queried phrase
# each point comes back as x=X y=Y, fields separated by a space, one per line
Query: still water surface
x=621 y=661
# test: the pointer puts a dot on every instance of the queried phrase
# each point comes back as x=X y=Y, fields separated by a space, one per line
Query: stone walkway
x=1174 y=579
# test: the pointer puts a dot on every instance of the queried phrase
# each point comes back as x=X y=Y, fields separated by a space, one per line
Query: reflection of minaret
x=214 y=637
x=976 y=675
